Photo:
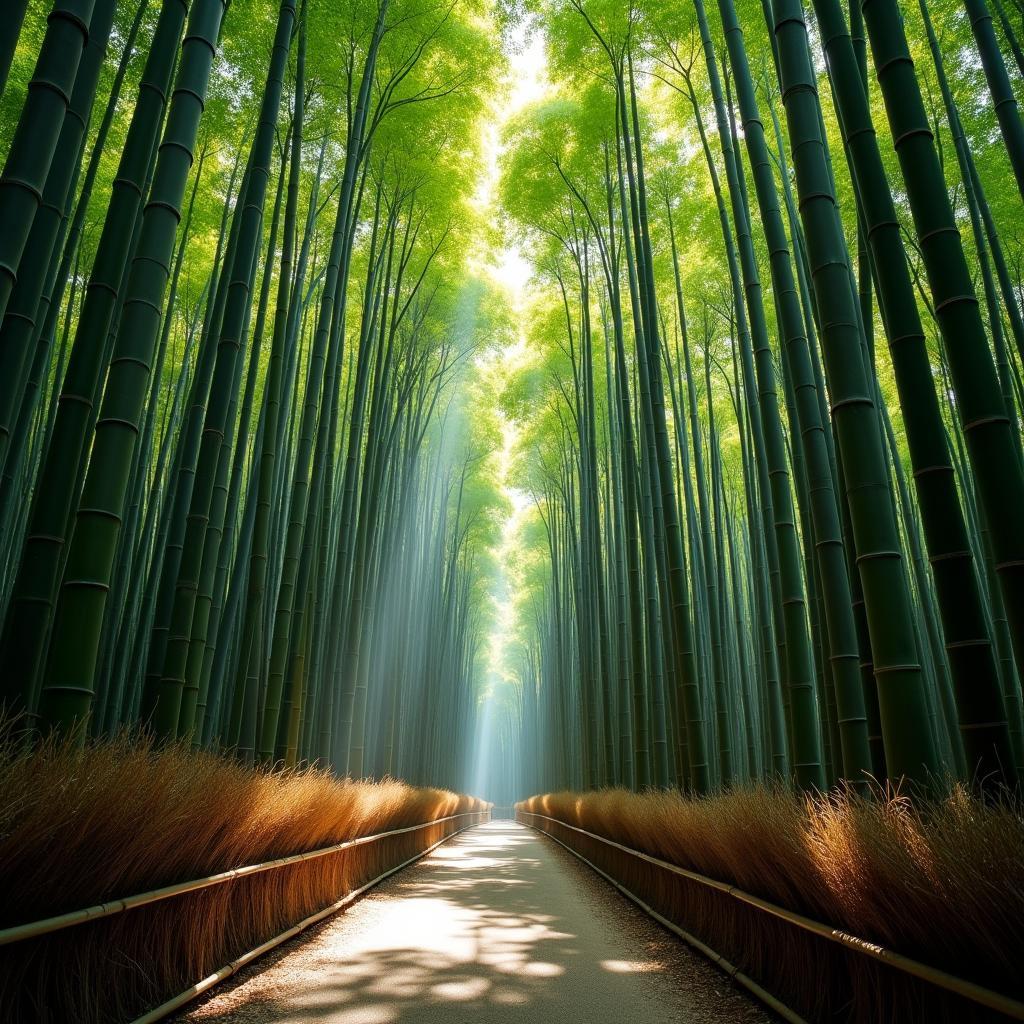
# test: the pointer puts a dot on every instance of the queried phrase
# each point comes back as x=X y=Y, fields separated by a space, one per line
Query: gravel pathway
x=498 y=925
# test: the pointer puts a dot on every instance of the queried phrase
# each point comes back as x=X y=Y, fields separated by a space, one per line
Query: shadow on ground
x=492 y=927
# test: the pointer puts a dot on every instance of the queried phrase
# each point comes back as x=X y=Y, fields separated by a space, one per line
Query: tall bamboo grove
x=743 y=499
x=774 y=384
x=235 y=508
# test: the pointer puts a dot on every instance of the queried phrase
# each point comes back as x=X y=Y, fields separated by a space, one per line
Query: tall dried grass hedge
x=939 y=881
x=80 y=827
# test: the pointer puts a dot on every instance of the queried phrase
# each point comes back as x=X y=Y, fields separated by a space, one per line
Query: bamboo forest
x=511 y=510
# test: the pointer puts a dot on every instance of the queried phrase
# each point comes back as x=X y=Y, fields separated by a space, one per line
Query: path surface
x=497 y=925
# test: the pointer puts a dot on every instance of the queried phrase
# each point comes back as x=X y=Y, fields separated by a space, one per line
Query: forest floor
x=499 y=924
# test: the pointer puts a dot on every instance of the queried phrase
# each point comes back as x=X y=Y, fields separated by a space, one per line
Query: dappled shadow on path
x=491 y=927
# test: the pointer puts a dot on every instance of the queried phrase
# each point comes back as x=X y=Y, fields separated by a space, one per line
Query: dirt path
x=499 y=924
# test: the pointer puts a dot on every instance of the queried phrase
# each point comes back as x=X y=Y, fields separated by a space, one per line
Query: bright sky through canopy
x=526 y=83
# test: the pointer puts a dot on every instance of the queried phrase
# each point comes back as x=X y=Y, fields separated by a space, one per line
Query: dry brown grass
x=78 y=827
x=941 y=882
